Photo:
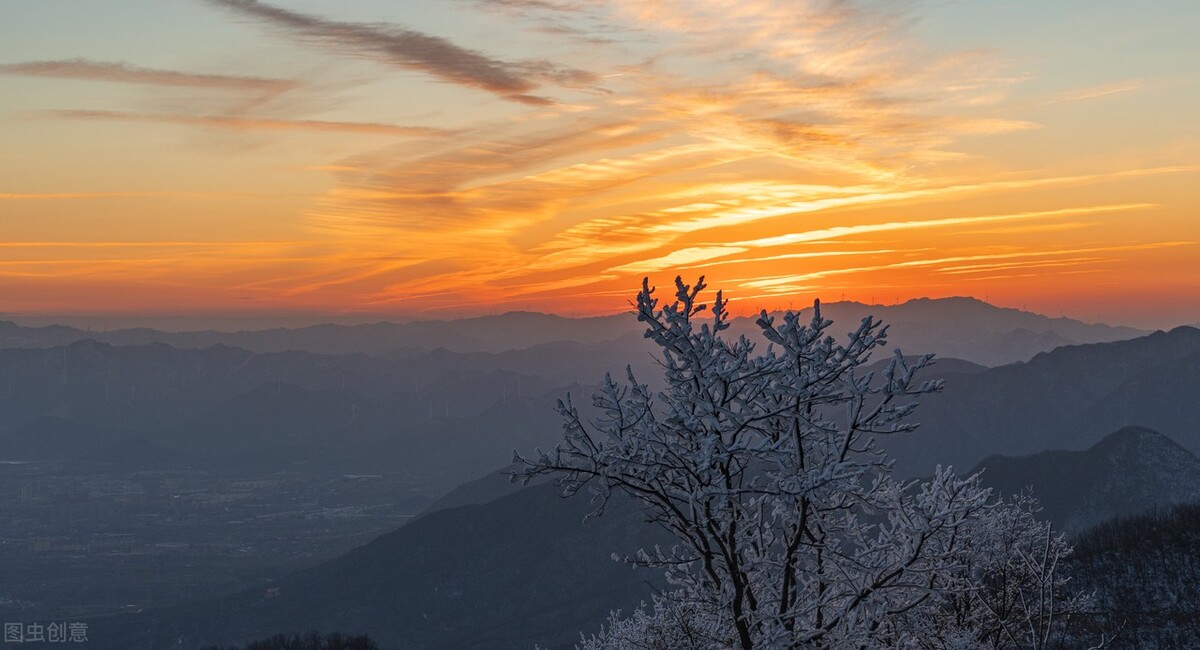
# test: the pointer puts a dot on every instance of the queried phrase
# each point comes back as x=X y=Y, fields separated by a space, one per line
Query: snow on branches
x=764 y=465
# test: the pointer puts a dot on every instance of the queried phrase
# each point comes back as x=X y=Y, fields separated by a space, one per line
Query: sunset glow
x=425 y=159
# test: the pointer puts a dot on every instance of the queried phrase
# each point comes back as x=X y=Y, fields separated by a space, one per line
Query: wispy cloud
x=706 y=136
x=1093 y=92
x=692 y=160
x=967 y=269
x=487 y=186
x=678 y=258
x=82 y=196
x=253 y=124
x=892 y=226
x=67 y=196
x=147 y=244
x=87 y=70
x=947 y=264
x=796 y=256
x=774 y=140
x=147 y=261
x=413 y=50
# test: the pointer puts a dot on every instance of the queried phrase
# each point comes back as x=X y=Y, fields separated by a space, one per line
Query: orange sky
x=471 y=157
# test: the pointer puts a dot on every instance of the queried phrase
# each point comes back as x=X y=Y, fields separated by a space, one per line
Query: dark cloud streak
x=414 y=50
x=86 y=70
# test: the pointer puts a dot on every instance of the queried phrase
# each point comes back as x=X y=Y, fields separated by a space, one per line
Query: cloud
x=491 y=188
x=843 y=231
x=147 y=244
x=968 y=269
x=702 y=128
x=77 y=196
x=787 y=282
x=65 y=196
x=682 y=256
x=414 y=50
x=721 y=130
x=83 y=69
x=143 y=261
x=254 y=124
x=1094 y=92
x=795 y=256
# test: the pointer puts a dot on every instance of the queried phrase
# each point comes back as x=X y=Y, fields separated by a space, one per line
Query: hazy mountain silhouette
x=953 y=327
x=1127 y=473
x=965 y=328
x=512 y=330
x=463 y=412
x=452 y=415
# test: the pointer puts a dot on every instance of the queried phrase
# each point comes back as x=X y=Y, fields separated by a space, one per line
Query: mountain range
x=453 y=416
x=492 y=566
x=963 y=328
x=526 y=569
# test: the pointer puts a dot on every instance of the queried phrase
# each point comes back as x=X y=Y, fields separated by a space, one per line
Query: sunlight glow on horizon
x=546 y=155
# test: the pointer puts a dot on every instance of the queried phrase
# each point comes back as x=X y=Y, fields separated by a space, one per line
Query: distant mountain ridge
x=512 y=330
x=968 y=328
x=963 y=328
x=449 y=416
x=176 y=398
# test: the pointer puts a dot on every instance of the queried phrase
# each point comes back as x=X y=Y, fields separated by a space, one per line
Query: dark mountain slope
x=1127 y=473
x=1145 y=574
x=1164 y=397
x=520 y=571
x=478 y=492
x=1059 y=399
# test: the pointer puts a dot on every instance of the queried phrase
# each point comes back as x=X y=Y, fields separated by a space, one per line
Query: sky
x=463 y=157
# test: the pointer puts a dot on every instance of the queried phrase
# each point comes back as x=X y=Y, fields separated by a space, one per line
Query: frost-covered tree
x=1012 y=589
x=764 y=465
